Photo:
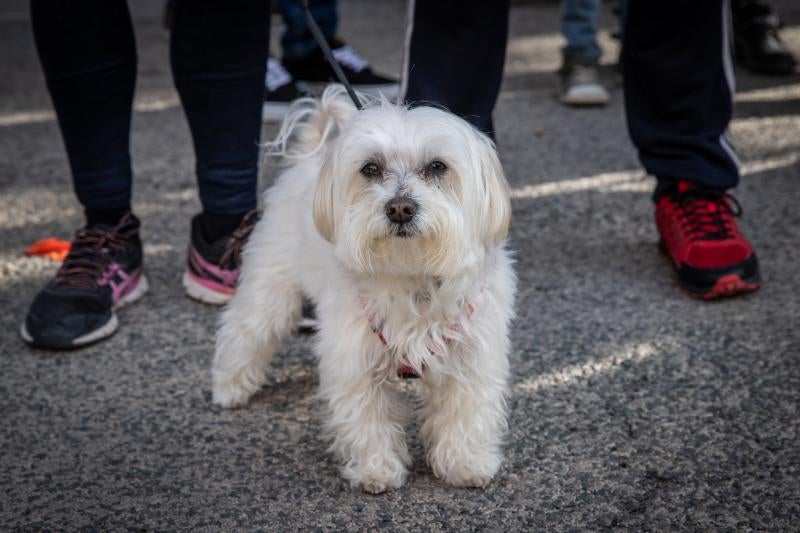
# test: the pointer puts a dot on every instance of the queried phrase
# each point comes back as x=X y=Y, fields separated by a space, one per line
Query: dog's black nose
x=401 y=209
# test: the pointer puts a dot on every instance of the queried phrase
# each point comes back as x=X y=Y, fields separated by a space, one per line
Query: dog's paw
x=230 y=395
x=469 y=481
x=380 y=483
x=468 y=472
x=233 y=388
x=378 y=480
x=466 y=478
x=372 y=486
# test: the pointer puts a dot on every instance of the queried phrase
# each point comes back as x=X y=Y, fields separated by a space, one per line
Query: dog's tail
x=311 y=122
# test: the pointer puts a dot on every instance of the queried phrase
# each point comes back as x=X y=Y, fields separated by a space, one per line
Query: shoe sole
x=307 y=325
x=585 y=100
x=584 y=103
x=745 y=59
x=196 y=291
x=104 y=331
x=726 y=286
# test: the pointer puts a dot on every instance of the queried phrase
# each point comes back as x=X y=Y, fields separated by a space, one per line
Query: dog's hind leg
x=261 y=314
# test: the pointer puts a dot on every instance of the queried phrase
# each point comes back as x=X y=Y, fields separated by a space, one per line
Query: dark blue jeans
x=579 y=27
x=679 y=82
x=218 y=52
x=297 y=40
x=455 y=57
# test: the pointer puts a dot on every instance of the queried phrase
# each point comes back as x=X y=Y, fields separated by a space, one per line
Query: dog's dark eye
x=371 y=170
x=435 y=168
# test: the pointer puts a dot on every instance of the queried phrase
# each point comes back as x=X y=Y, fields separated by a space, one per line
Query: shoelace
x=277 y=75
x=233 y=248
x=349 y=58
x=91 y=252
x=708 y=215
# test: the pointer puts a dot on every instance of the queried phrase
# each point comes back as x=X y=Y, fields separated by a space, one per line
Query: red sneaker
x=699 y=233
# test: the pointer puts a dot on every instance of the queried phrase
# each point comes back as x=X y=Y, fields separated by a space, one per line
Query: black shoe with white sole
x=103 y=272
x=280 y=91
x=314 y=69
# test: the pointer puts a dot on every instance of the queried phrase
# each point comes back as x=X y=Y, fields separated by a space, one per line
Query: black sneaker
x=103 y=272
x=308 y=318
x=281 y=90
x=755 y=35
x=314 y=69
x=213 y=267
x=580 y=83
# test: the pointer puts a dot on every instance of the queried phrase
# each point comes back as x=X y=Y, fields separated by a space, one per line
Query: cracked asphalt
x=632 y=407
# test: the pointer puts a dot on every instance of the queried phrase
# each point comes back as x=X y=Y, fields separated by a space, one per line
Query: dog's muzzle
x=401 y=210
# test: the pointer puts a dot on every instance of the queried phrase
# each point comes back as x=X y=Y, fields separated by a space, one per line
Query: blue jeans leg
x=88 y=54
x=219 y=54
x=456 y=56
x=297 y=40
x=678 y=76
x=579 y=26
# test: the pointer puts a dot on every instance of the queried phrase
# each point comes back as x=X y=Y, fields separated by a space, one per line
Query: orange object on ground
x=53 y=248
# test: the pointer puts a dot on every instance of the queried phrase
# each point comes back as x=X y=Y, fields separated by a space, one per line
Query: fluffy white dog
x=393 y=221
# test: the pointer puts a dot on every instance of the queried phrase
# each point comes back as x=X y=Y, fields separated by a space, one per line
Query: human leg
x=679 y=100
x=88 y=55
x=455 y=53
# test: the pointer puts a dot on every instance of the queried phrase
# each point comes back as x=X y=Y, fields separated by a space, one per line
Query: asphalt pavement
x=632 y=406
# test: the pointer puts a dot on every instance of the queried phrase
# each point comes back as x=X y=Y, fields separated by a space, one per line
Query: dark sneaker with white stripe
x=213 y=267
x=314 y=69
x=103 y=272
x=281 y=90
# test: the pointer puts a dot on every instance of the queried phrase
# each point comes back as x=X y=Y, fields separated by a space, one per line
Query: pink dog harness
x=405 y=370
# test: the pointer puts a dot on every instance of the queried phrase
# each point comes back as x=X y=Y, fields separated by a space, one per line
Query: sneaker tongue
x=101 y=227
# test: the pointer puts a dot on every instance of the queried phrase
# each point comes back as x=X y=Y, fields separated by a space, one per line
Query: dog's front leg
x=366 y=421
x=464 y=424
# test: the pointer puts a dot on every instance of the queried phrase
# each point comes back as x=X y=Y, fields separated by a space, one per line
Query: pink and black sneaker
x=102 y=272
x=213 y=267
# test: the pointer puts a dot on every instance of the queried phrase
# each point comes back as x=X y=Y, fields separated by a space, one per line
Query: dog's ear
x=496 y=206
x=324 y=211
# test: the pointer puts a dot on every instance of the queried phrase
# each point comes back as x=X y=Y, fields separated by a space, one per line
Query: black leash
x=323 y=43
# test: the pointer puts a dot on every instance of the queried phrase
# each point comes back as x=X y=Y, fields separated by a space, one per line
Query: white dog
x=393 y=221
